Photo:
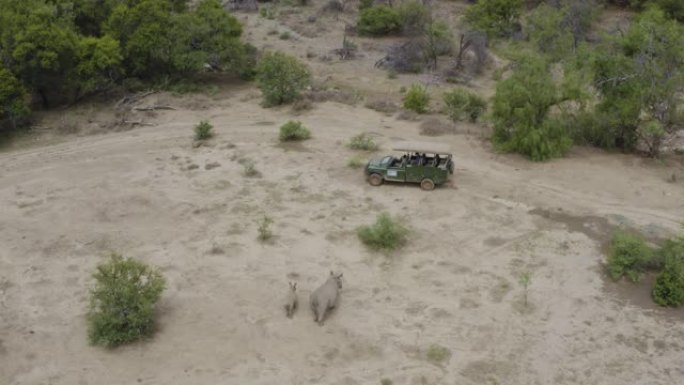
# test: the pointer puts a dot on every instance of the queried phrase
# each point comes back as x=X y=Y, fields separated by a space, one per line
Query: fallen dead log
x=152 y=108
x=136 y=122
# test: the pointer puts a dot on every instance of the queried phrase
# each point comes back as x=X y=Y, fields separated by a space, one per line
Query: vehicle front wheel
x=375 y=179
x=427 y=184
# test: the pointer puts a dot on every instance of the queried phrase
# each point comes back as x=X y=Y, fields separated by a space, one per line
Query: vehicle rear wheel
x=427 y=184
x=375 y=179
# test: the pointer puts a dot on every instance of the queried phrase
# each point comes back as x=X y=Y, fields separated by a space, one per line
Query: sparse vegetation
x=285 y=35
x=386 y=381
x=386 y=234
x=293 y=131
x=264 y=228
x=438 y=354
x=281 y=78
x=417 y=99
x=460 y=104
x=363 y=142
x=122 y=302
x=203 y=130
x=525 y=280
x=629 y=256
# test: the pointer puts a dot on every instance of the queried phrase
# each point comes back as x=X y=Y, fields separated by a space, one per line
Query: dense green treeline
x=620 y=90
x=62 y=50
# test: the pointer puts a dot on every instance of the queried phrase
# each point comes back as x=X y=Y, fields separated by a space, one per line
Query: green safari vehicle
x=422 y=162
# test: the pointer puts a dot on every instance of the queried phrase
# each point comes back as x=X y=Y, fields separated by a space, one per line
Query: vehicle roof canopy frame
x=425 y=147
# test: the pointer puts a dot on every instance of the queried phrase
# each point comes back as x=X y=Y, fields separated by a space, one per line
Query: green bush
x=417 y=99
x=203 y=130
x=386 y=234
x=669 y=286
x=122 y=301
x=495 y=17
x=629 y=256
x=293 y=130
x=548 y=32
x=460 y=104
x=363 y=142
x=264 y=227
x=378 y=21
x=281 y=78
x=413 y=17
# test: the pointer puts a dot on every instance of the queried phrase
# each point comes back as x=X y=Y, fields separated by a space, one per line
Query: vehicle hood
x=375 y=162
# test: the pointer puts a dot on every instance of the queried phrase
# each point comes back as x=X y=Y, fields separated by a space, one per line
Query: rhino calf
x=291 y=300
x=325 y=297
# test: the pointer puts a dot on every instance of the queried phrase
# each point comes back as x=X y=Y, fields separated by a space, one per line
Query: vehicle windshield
x=386 y=160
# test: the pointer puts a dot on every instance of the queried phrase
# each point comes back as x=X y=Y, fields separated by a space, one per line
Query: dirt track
x=66 y=206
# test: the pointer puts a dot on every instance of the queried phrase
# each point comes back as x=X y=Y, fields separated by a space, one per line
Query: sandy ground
x=149 y=194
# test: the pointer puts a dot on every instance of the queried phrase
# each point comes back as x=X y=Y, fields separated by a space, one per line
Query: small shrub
x=525 y=279
x=355 y=162
x=669 y=286
x=386 y=381
x=293 y=130
x=437 y=354
x=285 y=35
x=203 y=130
x=264 y=228
x=392 y=73
x=249 y=168
x=363 y=142
x=629 y=256
x=378 y=21
x=417 y=99
x=281 y=78
x=460 y=104
x=122 y=301
x=386 y=234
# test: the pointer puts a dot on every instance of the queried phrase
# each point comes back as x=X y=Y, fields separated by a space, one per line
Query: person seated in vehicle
x=437 y=160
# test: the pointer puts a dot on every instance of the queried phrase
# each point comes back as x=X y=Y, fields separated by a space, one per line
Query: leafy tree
x=99 y=63
x=378 y=20
x=521 y=112
x=281 y=78
x=547 y=32
x=639 y=77
x=122 y=301
x=37 y=45
x=495 y=17
x=13 y=100
x=145 y=33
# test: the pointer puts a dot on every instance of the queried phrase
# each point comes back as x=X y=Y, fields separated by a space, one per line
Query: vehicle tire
x=375 y=179
x=427 y=184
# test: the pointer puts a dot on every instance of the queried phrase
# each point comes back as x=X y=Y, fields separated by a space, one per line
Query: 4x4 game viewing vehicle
x=422 y=162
